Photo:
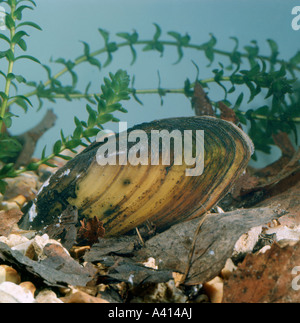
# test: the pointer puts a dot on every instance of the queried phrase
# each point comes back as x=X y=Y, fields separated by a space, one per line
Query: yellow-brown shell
x=125 y=196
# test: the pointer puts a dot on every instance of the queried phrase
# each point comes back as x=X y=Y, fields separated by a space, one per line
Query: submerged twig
x=140 y=237
x=31 y=137
x=191 y=253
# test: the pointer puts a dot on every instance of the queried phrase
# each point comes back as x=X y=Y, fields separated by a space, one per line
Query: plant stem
x=262 y=117
x=5 y=103
x=84 y=58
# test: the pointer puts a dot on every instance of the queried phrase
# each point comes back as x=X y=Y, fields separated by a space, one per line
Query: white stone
x=47 y=296
x=35 y=247
x=13 y=240
x=32 y=212
x=2 y=275
x=12 y=293
x=247 y=241
x=282 y=232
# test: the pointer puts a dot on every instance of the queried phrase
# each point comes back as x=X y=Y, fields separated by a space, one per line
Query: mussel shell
x=125 y=196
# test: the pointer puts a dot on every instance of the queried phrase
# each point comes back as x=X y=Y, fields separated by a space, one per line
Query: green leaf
x=111 y=47
x=155 y=44
x=104 y=34
x=5 y=38
x=57 y=147
x=241 y=117
x=253 y=90
x=7 y=168
x=63 y=139
x=252 y=52
x=86 y=48
x=74 y=143
x=49 y=164
x=235 y=39
x=28 y=57
x=238 y=101
x=91 y=60
x=18 y=36
x=132 y=39
x=31 y=1
x=20 y=79
x=274 y=50
x=22 y=103
x=7 y=121
x=281 y=72
x=77 y=121
x=253 y=72
x=94 y=61
x=64 y=157
x=175 y=35
x=44 y=153
x=92 y=116
x=188 y=92
x=22 y=44
x=209 y=48
x=3 y=185
x=3 y=95
x=157 y=32
x=134 y=55
x=9 y=148
x=22 y=97
x=10 y=55
x=264 y=110
x=182 y=41
x=77 y=132
x=19 y=10
x=9 y=22
x=30 y=24
x=105 y=118
x=32 y=166
x=295 y=60
x=90 y=132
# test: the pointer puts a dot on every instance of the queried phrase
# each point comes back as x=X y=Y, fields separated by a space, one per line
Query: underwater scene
x=149 y=153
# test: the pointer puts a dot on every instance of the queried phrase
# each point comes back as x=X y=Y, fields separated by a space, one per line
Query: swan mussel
x=124 y=196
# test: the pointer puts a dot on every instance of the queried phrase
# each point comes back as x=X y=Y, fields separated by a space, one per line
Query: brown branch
x=30 y=138
x=282 y=141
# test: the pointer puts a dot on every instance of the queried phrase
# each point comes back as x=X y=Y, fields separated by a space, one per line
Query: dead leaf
x=118 y=246
x=121 y=269
x=215 y=243
x=244 y=184
x=51 y=275
x=59 y=259
x=227 y=113
x=90 y=231
x=251 y=189
x=201 y=103
x=8 y=219
x=114 y=254
x=266 y=278
x=65 y=230
x=289 y=202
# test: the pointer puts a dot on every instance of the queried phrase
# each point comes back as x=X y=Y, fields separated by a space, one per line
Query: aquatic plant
x=245 y=71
